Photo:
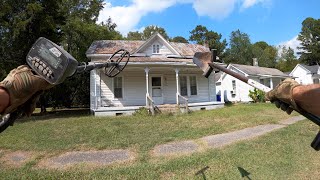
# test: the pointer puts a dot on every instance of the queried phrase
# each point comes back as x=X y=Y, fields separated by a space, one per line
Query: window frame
x=155 y=48
x=183 y=76
x=122 y=87
x=188 y=84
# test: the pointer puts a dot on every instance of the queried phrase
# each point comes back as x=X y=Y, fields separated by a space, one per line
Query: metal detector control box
x=50 y=61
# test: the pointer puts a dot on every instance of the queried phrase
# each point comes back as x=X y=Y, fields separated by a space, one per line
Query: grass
x=284 y=154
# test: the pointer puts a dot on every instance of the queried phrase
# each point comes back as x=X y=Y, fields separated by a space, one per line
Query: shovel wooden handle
x=315 y=119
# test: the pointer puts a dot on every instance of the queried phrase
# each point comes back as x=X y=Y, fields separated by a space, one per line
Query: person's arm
x=21 y=90
x=308 y=98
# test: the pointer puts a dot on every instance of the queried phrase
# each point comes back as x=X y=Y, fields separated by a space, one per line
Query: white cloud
x=249 y=3
x=127 y=17
x=293 y=43
x=215 y=9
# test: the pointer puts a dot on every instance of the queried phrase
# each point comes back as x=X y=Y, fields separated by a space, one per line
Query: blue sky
x=278 y=22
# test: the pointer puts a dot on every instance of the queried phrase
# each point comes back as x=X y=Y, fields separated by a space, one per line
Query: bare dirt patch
x=87 y=159
x=17 y=158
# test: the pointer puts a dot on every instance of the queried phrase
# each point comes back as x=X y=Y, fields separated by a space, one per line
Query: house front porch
x=152 y=86
x=129 y=110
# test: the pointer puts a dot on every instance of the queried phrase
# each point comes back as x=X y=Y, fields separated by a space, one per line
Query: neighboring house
x=158 y=71
x=304 y=74
x=234 y=90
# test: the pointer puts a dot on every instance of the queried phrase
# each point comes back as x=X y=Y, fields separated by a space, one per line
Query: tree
x=79 y=32
x=265 y=54
x=150 y=30
x=310 y=41
x=136 y=35
x=201 y=35
x=179 y=39
x=22 y=23
x=240 y=50
x=287 y=60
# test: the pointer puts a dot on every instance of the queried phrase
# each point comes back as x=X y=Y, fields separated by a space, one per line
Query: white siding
x=303 y=77
x=134 y=88
x=241 y=93
x=162 y=51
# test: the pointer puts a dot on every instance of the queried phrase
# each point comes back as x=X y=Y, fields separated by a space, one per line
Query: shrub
x=257 y=95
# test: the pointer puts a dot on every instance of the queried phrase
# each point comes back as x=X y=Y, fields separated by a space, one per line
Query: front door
x=156 y=89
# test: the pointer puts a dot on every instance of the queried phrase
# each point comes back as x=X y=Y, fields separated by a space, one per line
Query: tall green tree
x=287 y=60
x=265 y=54
x=310 y=41
x=240 y=50
x=79 y=31
x=134 y=35
x=21 y=23
x=179 y=39
x=201 y=35
x=150 y=30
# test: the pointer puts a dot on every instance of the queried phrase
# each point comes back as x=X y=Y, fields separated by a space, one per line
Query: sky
x=277 y=22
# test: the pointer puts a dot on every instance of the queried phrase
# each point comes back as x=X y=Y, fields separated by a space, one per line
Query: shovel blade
x=201 y=59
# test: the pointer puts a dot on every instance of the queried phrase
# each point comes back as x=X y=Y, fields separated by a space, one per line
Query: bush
x=141 y=112
x=257 y=95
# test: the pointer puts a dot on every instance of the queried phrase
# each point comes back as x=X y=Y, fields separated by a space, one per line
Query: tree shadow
x=57 y=114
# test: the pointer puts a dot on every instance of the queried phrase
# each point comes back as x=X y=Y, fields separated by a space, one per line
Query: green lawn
x=283 y=154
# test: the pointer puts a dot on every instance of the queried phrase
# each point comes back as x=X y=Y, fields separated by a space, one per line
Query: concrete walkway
x=220 y=140
x=107 y=157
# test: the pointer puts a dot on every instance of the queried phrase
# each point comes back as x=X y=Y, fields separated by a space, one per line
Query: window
x=234 y=85
x=156 y=48
x=316 y=81
x=117 y=87
x=183 y=86
x=193 y=85
x=188 y=85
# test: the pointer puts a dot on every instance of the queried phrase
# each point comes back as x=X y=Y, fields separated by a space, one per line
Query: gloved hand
x=24 y=89
x=281 y=95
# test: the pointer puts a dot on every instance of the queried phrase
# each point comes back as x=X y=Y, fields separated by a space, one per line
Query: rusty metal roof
x=256 y=70
x=186 y=49
x=111 y=46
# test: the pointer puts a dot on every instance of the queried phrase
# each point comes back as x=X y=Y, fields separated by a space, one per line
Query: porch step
x=168 y=108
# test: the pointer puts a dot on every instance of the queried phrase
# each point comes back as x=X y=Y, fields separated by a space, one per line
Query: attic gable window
x=156 y=48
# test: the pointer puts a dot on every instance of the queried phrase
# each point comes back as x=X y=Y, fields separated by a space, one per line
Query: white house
x=159 y=73
x=306 y=74
x=234 y=90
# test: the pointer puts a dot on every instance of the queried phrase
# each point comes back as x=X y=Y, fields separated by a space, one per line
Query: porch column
x=177 y=83
x=271 y=83
x=146 y=70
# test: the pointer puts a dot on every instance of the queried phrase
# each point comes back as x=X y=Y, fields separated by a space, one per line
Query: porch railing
x=150 y=105
x=184 y=103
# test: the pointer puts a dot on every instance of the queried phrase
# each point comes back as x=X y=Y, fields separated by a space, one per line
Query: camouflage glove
x=281 y=95
x=22 y=85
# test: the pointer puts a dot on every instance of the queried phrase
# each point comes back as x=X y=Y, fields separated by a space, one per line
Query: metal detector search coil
x=50 y=61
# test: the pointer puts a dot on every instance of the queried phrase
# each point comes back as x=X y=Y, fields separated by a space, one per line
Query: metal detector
x=54 y=64
x=206 y=62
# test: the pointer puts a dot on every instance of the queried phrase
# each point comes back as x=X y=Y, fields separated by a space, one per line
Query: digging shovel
x=206 y=62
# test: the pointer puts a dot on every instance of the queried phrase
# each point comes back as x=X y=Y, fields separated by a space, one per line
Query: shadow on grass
x=55 y=114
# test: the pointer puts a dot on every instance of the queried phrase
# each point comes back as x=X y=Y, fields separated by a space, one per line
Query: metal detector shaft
x=263 y=88
x=90 y=67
